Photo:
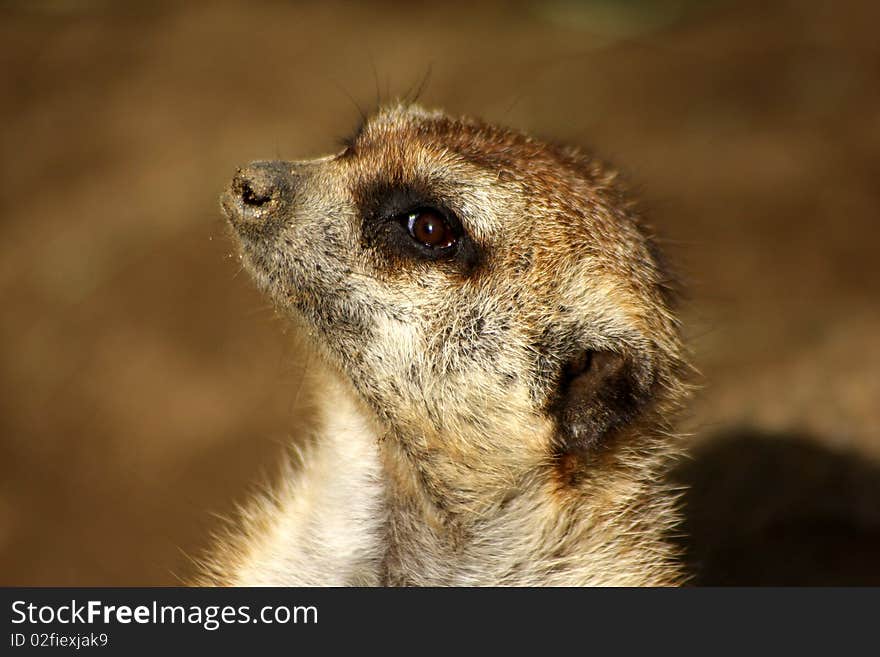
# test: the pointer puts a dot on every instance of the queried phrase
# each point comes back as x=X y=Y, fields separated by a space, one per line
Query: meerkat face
x=471 y=282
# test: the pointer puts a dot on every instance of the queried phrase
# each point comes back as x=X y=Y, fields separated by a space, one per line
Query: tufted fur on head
x=504 y=396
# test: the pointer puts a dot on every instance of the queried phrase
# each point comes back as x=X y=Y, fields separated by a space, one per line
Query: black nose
x=255 y=186
x=256 y=192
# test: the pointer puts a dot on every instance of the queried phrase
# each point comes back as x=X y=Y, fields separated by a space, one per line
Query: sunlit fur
x=439 y=460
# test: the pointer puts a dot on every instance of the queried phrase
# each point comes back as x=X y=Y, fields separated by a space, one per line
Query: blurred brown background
x=145 y=386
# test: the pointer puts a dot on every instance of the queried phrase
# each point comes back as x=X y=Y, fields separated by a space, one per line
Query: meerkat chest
x=323 y=525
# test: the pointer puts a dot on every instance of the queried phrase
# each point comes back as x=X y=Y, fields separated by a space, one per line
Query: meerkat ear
x=600 y=392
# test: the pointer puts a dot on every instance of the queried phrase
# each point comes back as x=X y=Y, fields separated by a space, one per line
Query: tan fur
x=442 y=458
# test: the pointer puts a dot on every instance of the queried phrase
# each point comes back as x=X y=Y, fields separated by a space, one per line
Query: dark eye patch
x=409 y=222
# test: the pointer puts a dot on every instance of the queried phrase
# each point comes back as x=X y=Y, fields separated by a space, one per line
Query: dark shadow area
x=769 y=509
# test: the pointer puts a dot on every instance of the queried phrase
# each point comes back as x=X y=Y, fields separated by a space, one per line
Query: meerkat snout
x=257 y=193
x=509 y=362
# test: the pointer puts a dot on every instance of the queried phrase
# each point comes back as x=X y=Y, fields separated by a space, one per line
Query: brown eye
x=431 y=229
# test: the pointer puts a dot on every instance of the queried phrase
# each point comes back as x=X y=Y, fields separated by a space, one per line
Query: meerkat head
x=492 y=298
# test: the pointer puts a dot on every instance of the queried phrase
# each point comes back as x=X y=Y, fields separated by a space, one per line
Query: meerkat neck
x=466 y=466
x=536 y=533
x=453 y=484
x=360 y=512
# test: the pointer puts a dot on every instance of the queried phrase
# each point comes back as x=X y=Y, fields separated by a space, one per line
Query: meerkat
x=506 y=365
